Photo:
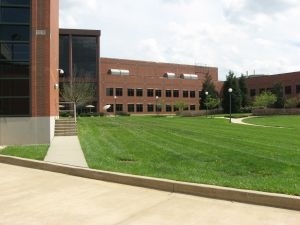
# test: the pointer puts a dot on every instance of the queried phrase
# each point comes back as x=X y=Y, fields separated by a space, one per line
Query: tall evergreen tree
x=277 y=90
x=207 y=86
x=244 y=91
x=231 y=82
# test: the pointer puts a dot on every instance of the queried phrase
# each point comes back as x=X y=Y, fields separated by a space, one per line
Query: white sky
x=238 y=35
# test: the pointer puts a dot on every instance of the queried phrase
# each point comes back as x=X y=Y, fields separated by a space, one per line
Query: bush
x=122 y=113
x=90 y=114
x=64 y=114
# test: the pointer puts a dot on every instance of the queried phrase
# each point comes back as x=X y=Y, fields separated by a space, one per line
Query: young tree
x=265 y=99
x=231 y=82
x=180 y=105
x=212 y=103
x=78 y=90
x=207 y=86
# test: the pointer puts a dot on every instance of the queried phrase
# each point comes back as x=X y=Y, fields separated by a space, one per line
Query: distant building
x=259 y=83
x=142 y=87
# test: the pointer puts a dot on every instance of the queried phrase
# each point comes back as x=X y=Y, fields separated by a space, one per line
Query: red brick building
x=259 y=83
x=141 y=87
x=28 y=71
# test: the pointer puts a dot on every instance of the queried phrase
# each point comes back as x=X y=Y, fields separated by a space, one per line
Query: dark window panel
x=109 y=92
x=15 y=2
x=14 y=15
x=139 y=92
x=14 y=69
x=111 y=108
x=176 y=93
x=185 y=94
x=288 y=90
x=150 y=92
x=119 y=107
x=130 y=107
x=252 y=92
x=298 y=88
x=14 y=87
x=130 y=92
x=158 y=93
x=14 y=106
x=14 y=52
x=84 y=50
x=14 y=32
x=139 y=107
x=150 y=108
x=192 y=94
x=64 y=54
x=168 y=93
x=168 y=108
x=119 y=91
x=192 y=107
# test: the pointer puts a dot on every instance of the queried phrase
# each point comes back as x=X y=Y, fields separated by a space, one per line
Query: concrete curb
x=231 y=194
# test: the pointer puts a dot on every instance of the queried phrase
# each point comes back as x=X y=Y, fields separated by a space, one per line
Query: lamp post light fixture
x=230 y=91
x=115 y=108
x=206 y=94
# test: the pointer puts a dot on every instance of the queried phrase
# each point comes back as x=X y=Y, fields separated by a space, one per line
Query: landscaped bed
x=198 y=149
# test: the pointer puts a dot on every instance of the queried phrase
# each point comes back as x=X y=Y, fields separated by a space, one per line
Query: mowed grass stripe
x=194 y=149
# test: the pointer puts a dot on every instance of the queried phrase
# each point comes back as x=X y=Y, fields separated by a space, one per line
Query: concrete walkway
x=240 y=121
x=66 y=150
x=35 y=197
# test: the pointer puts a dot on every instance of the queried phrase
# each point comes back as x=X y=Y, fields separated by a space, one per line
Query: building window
x=298 y=88
x=130 y=107
x=168 y=93
x=175 y=93
x=119 y=91
x=139 y=92
x=150 y=108
x=199 y=94
x=130 y=92
x=192 y=94
x=168 y=108
x=185 y=94
x=192 y=107
x=139 y=107
x=252 y=92
x=119 y=107
x=150 y=92
x=261 y=90
x=158 y=93
x=175 y=108
x=109 y=92
x=288 y=90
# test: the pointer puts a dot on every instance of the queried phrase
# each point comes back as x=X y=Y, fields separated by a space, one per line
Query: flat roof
x=82 y=32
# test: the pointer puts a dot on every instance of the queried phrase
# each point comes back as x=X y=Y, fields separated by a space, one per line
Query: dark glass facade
x=79 y=58
x=15 y=57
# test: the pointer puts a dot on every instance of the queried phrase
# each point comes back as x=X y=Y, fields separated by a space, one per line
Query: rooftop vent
x=189 y=76
x=170 y=75
x=118 y=72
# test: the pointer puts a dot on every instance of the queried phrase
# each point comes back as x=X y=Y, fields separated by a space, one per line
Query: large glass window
x=175 y=93
x=15 y=2
x=168 y=93
x=150 y=108
x=252 y=92
x=288 y=90
x=158 y=93
x=14 y=58
x=185 y=94
x=192 y=94
x=84 y=56
x=14 y=15
x=119 y=91
x=168 y=108
x=14 y=32
x=119 y=107
x=298 y=88
x=64 y=54
x=150 y=92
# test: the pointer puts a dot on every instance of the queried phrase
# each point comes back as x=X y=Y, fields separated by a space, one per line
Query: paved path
x=240 y=121
x=66 y=150
x=35 y=197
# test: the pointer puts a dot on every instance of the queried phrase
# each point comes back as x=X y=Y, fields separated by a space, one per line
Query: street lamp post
x=206 y=94
x=230 y=90
x=156 y=106
x=115 y=98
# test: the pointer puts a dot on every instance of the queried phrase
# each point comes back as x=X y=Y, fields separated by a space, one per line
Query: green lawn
x=37 y=152
x=197 y=149
x=276 y=121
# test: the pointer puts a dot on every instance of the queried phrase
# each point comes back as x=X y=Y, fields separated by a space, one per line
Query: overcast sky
x=237 y=35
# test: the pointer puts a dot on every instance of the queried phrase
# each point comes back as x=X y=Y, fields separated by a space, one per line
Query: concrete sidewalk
x=66 y=150
x=35 y=197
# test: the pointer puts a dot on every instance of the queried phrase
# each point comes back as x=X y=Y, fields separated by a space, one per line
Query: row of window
x=287 y=90
x=139 y=92
x=149 y=108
